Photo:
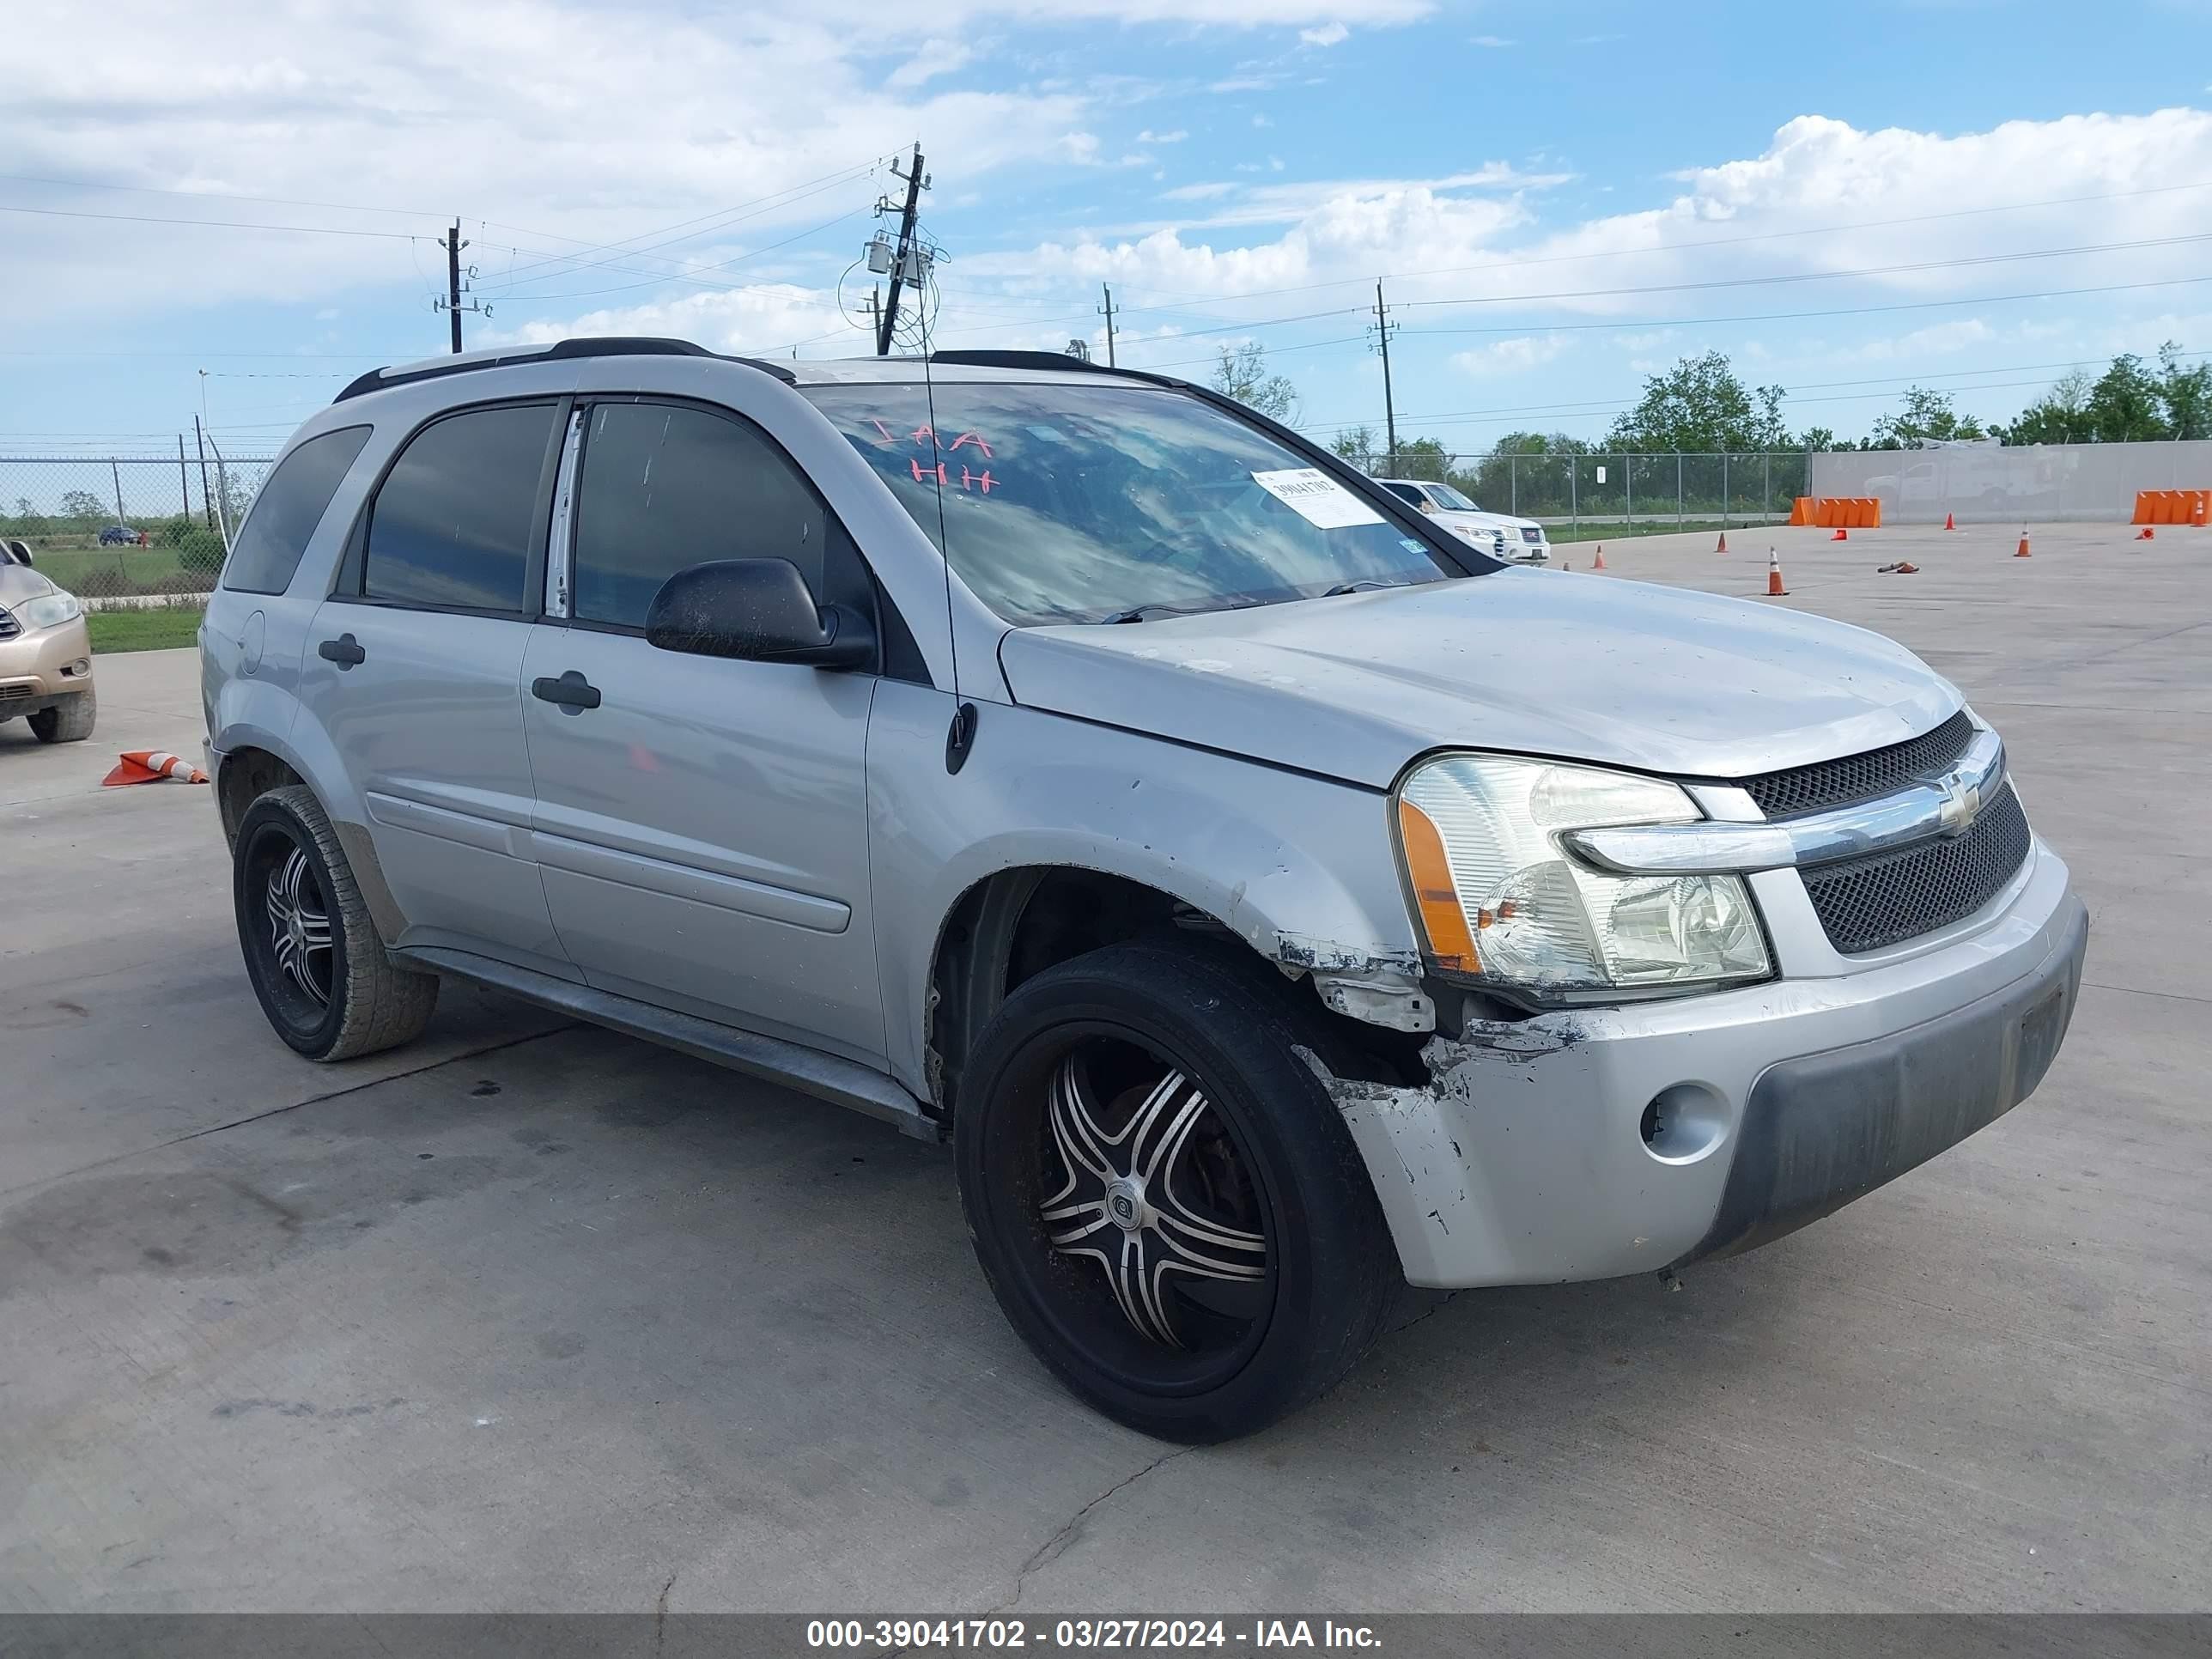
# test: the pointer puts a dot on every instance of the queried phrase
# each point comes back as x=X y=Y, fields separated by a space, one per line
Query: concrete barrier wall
x=2032 y=483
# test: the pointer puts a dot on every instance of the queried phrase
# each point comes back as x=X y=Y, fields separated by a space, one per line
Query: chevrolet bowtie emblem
x=1962 y=805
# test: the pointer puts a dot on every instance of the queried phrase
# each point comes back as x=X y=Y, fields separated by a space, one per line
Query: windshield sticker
x=1411 y=545
x=1317 y=498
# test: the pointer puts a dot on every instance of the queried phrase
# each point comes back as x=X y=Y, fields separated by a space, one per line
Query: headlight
x=50 y=610
x=1501 y=900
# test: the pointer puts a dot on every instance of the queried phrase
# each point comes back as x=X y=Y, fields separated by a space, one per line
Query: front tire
x=69 y=720
x=311 y=950
x=1164 y=1200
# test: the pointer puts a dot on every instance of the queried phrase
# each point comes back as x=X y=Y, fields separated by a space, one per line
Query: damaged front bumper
x=1598 y=1142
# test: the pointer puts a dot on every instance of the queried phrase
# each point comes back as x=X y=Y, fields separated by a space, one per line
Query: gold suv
x=45 y=654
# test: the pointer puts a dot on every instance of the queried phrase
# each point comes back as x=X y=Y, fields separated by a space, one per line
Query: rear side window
x=285 y=513
x=665 y=486
x=450 y=528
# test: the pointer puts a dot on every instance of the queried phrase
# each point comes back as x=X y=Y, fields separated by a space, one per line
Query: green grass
x=82 y=570
x=143 y=630
x=1621 y=532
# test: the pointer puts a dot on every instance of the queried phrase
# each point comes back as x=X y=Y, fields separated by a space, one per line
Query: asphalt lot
x=532 y=1315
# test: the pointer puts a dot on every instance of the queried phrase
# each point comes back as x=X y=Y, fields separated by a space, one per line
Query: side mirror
x=758 y=610
x=21 y=550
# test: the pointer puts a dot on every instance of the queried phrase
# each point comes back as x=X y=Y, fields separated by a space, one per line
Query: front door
x=413 y=671
x=701 y=823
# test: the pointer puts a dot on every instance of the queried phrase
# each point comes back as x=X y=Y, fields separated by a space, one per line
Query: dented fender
x=1300 y=868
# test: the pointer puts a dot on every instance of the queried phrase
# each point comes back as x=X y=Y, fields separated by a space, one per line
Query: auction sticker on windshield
x=1318 y=498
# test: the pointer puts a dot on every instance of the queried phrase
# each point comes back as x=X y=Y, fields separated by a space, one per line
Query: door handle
x=345 y=651
x=572 y=691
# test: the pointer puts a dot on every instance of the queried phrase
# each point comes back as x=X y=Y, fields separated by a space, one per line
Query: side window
x=665 y=486
x=1406 y=493
x=452 y=524
x=286 y=511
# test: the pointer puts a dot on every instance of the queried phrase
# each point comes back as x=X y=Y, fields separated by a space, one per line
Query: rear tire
x=68 y=722
x=311 y=950
x=1163 y=1197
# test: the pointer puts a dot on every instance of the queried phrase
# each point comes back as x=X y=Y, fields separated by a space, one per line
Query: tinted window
x=665 y=486
x=1405 y=492
x=1077 y=503
x=451 y=526
x=285 y=513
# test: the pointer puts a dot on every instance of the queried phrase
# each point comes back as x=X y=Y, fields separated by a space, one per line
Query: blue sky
x=1559 y=198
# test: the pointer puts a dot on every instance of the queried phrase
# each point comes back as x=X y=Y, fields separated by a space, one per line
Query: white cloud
x=934 y=58
x=1205 y=192
x=1495 y=42
x=1515 y=355
x=1261 y=121
x=1328 y=34
x=1148 y=137
x=575 y=120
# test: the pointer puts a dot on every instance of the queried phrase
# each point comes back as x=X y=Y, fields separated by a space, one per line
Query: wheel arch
x=1019 y=920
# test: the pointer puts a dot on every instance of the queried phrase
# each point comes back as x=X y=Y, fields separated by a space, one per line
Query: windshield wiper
x=1365 y=581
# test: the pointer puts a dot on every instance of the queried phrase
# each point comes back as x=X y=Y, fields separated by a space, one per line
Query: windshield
x=1451 y=500
x=1082 y=503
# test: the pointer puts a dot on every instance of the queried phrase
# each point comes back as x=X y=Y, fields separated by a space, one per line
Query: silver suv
x=1271 y=899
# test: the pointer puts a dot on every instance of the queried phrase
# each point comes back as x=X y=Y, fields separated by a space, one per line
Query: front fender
x=1300 y=868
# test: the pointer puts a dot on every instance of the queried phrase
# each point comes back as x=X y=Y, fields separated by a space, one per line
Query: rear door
x=413 y=669
x=702 y=824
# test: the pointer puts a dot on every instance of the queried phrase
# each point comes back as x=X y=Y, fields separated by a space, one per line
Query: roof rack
x=986 y=358
x=379 y=380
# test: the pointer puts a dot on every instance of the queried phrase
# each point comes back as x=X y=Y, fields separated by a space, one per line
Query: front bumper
x=38 y=669
x=1589 y=1144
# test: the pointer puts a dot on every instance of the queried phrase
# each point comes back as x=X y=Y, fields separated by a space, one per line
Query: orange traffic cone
x=152 y=766
x=2196 y=511
x=2145 y=535
x=1947 y=525
x=1775 y=590
x=1599 y=565
x=2023 y=553
x=1722 y=548
x=1841 y=535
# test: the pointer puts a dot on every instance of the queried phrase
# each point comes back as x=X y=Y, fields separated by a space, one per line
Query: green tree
x=1241 y=374
x=1700 y=406
x=2124 y=405
x=1820 y=437
x=2186 y=394
x=2059 y=417
x=1357 y=445
x=82 y=505
x=1927 y=417
x=1422 y=457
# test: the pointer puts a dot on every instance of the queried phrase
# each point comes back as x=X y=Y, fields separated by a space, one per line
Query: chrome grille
x=1866 y=903
x=8 y=626
x=1869 y=776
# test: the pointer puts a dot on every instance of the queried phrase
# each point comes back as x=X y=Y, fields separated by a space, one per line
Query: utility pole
x=451 y=305
x=207 y=495
x=875 y=311
x=1108 y=309
x=184 y=481
x=1383 y=329
x=916 y=182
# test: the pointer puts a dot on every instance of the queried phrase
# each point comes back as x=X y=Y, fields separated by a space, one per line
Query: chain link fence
x=1615 y=494
x=107 y=526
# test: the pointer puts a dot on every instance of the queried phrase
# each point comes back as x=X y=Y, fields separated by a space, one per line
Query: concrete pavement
x=528 y=1315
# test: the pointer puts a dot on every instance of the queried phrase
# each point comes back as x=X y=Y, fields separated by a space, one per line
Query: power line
x=1663 y=247
x=211 y=224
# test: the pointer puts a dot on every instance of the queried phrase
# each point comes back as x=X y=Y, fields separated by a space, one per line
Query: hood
x=1659 y=679
x=1487 y=520
x=20 y=584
